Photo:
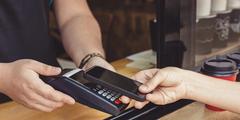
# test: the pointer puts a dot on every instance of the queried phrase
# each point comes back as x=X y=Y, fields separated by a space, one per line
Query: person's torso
x=24 y=31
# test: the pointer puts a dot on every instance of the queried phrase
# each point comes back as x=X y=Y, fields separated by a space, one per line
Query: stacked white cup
x=219 y=6
x=233 y=4
x=203 y=8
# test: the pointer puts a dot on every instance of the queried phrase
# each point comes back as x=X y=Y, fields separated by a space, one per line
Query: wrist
x=79 y=56
x=197 y=85
x=89 y=57
x=189 y=83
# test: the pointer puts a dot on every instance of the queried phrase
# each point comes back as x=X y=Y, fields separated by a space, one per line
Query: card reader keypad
x=108 y=94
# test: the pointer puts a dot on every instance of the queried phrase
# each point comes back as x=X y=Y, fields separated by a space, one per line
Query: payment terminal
x=72 y=82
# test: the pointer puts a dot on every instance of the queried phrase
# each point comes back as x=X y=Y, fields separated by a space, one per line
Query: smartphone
x=116 y=82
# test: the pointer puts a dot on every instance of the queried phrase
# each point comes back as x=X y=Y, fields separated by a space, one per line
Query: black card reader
x=73 y=83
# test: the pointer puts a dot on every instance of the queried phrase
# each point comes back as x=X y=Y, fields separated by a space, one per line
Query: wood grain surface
x=194 y=111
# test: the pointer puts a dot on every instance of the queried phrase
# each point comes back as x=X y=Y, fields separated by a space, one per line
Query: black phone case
x=138 y=96
x=82 y=94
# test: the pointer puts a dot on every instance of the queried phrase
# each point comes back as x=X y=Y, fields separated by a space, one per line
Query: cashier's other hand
x=98 y=61
x=161 y=86
x=20 y=81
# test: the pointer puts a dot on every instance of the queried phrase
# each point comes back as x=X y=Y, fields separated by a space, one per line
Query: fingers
x=43 y=69
x=142 y=77
x=145 y=75
x=40 y=107
x=125 y=99
x=32 y=100
x=155 y=98
x=66 y=99
x=44 y=98
x=27 y=102
x=49 y=93
x=41 y=101
x=136 y=104
x=151 y=84
x=163 y=96
x=140 y=105
x=44 y=89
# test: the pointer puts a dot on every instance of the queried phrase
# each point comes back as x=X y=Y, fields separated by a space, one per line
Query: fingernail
x=125 y=101
x=72 y=101
x=58 y=69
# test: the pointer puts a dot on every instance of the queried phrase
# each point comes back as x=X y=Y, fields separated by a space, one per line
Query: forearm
x=209 y=90
x=81 y=36
x=80 y=31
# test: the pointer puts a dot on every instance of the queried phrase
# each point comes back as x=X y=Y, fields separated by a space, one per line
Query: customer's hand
x=162 y=86
x=97 y=61
x=20 y=81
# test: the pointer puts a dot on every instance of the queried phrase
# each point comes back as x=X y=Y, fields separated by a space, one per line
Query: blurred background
x=124 y=24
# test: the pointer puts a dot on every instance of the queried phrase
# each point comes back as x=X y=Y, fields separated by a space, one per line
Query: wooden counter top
x=194 y=111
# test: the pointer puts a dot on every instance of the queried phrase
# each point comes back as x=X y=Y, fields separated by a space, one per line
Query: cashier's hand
x=161 y=86
x=97 y=61
x=20 y=81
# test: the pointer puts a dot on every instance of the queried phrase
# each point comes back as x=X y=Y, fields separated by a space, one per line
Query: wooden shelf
x=231 y=47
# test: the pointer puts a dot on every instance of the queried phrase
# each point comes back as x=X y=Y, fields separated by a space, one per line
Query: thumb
x=152 y=84
x=44 y=69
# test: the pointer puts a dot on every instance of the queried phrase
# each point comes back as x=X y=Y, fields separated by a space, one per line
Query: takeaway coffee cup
x=203 y=8
x=235 y=57
x=219 y=5
x=222 y=68
x=232 y=4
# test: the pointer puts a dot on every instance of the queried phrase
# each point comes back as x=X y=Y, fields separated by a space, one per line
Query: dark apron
x=24 y=32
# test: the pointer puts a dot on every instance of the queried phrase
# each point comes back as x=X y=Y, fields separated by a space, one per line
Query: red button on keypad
x=118 y=102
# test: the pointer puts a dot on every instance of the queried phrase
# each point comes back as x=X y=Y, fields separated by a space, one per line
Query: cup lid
x=219 y=66
x=235 y=57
